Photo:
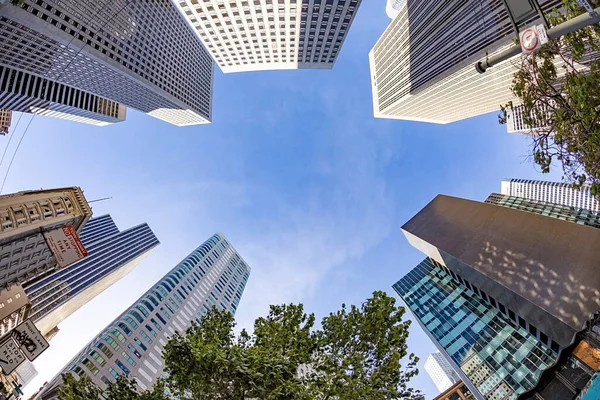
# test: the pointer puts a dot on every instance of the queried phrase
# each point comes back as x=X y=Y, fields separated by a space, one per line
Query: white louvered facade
x=253 y=35
x=25 y=92
x=423 y=66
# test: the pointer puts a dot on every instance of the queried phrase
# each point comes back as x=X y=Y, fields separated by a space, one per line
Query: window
x=105 y=349
x=105 y=380
x=134 y=351
x=143 y=311
x=131 y=322
x=123 y=367
x=139 y=343
x=156 y=324
x=151 y=330
x=97 y=357
x=147 y=304
x=117 y=334
x=110 y=341
x=129 y=359
x=137 y=316
x=89 y=365
x=124 y=328
x=113 y=373
x=161 y=318
x=146 y=337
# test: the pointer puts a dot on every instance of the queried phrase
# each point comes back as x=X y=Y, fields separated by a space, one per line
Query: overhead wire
x=58 y=77
x=10 y=139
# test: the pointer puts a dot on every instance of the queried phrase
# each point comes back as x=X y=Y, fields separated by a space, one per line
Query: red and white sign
x=65 y=245
x=533 y=38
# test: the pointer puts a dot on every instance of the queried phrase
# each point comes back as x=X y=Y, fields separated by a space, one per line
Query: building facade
x=440 y=371
x=25 y=92
x=25 y=373
x=245 y=35
x=422 y=67
x=567 y=213
x=495 y=357
x=551 y=192
x=141 y=55
x=458 y=391
x=213 y=275
x=5 y=120
x=111 y=256
x=24 y=254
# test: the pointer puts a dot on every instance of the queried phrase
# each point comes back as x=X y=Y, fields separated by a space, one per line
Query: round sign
x=530 y=39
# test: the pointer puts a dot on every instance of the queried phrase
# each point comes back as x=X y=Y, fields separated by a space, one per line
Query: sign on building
x=533 y=38
x=10 y=356
x=30 y=340
x=65 y=245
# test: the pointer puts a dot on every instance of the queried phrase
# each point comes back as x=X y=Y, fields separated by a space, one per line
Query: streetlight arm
x=581 y=21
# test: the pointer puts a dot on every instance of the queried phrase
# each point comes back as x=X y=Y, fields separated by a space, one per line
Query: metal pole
x=569 y=26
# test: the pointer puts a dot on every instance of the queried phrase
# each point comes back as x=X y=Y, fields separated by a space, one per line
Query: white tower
x=393 y=7
x=440 y=371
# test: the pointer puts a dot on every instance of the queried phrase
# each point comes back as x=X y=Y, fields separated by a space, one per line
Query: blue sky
x=294 y=170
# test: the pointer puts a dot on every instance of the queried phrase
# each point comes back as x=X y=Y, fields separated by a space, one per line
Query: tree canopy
x=558 y=97
x=357 y=353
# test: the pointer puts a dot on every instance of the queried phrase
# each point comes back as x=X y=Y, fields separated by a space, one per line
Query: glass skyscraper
x=497 y=358
x=213 y=275
x=111 y=255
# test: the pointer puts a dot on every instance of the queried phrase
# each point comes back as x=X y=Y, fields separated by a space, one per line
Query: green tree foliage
x=559 y=89
x=357 y=353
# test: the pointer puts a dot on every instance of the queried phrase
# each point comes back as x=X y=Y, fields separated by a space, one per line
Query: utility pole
x=556 y=32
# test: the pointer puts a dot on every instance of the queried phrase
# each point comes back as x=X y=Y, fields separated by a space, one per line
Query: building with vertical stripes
x=5 y=120
x=112 y=254
x=26 y=92
x=254 y=35
x=423 y=66
x=440 y=371
x=142 y=55
x=213 y=275
x=551 y=192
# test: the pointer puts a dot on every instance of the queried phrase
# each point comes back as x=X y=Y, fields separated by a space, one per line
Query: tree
x=558 y=97
x=356 y=354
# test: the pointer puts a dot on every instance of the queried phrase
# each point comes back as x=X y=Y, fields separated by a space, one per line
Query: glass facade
x=496 y=356
x=108 y=251
x=213 y=275
x=568 y=213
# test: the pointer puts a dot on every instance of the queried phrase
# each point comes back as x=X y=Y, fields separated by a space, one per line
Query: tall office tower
x=141 y=55
x=503 y=290
x=551 y=192
x=393 y=7
x=5 y=120
x=515 y=122
x=111 y=256
x=25 y=92
x=246 y=35
x=212 y=275
x=423 y=66
x=440 y=371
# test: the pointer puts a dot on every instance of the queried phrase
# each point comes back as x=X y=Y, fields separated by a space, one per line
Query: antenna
x=105 y=198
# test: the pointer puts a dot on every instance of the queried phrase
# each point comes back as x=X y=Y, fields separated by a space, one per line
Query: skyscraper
x=393 y=7
x=111 y=255
x=422 y=67
x=5 y=120
x=551 y=192
x=212 y=275
x=141 y=55
x=25 y=92
x=440 y=371
x=246 y=35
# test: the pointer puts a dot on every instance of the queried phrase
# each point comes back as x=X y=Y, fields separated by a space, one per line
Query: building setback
x=141 y=55
x=247 y=35
x=111 y=256
x=423 y=66
x=26 y=92
x=551 y=192
x=213 y=275
x=440 y=371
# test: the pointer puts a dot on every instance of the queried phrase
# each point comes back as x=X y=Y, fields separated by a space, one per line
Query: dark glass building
x=111 y=255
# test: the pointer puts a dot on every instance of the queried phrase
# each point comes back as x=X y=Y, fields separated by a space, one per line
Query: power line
x=10 y=139
x=57 y=78
x=15 y=154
